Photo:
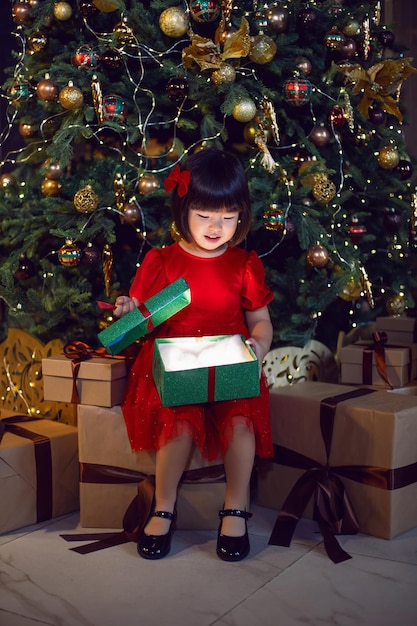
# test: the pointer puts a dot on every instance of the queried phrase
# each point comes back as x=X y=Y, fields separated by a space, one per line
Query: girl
x=211 y=212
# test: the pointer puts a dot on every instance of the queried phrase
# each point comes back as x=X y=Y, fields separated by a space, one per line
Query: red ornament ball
x=86 y=57
x=297 y=91
x=376 y=115
x=356 y=230
x=336 y=116
x=114 y=109
x=69 y=254
x=205 y=10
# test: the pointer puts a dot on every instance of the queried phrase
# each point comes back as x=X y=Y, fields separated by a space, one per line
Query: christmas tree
x=107 y=96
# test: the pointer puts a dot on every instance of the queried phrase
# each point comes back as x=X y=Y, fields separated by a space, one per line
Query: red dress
x=222 y=288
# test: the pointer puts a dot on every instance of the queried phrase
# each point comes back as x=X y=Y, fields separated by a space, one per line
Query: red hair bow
x=180 y=177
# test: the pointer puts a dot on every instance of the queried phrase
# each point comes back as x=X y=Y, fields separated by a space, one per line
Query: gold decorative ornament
x=224 y=75
x=62 y=11
x=50 y=188
x=86 y=200
x=324 y=190
x=148 y=183
x=174 y=22
x=388 y=157
x=245 y=110
x=71 y=97
x=107 y=6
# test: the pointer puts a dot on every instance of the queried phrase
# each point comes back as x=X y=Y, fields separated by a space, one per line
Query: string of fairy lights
x=176 y=22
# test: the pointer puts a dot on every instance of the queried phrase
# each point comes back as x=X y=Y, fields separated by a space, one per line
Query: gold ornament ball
x=388 y=157
x=174 y=22
x=224 y=75
x=147 y=183
x=396 y=305
x=27 y=130
x=351 y=291
x=324 y=190
x=6 y=180
x=262 y=49
x=244 y=111
x=62 y=11
x=71 y=97
x=50 y=188
x=124 y=33
x=86 y=200
x=37 y=41
x=107 y=6
x=317 y=255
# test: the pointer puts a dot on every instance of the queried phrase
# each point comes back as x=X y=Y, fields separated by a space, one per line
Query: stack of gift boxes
x=345 y=454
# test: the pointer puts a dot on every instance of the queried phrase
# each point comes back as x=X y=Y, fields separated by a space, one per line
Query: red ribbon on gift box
x=138 y=511
x=332 y=508
x=43 y=461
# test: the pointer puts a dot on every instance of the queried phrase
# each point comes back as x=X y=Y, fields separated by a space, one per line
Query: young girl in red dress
x=211 y=211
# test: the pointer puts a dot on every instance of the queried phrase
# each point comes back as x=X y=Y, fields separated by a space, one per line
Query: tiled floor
x=43 y=582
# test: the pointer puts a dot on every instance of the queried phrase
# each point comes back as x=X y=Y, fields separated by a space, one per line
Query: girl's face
x=211 y=230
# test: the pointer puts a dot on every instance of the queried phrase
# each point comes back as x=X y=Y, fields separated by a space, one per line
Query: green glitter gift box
x=146 y=317
x=199 y=384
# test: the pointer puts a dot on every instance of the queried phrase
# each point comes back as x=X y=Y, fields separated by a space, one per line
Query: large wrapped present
x=97 y=380
x=346 y=456
x=137 y=323
x=110 y=473
x=399 y=329
x=38 y=470
x=193 y=370
x=379 y=364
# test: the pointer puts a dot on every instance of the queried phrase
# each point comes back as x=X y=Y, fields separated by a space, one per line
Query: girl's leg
x=238 y=464
x=171 y=460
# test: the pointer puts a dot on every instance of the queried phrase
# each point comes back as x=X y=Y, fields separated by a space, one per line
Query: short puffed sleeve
x=255 y=293
x=150 y=277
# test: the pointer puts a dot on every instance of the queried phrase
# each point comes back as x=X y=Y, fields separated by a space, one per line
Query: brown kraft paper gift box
x=110 y=472
x=38 y=470
x=99 y=381
x=377 y=431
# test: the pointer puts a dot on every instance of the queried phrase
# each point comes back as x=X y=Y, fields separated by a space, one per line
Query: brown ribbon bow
x=78 y=351
x=138 y=511
x=378 y=347
x=176 y=176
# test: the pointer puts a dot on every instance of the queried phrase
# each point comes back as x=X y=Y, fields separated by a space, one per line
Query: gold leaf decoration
x=380 y=83
x=209 y=55
x=21 y=383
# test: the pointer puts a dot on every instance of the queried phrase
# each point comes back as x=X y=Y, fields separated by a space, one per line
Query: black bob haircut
x=217 y=183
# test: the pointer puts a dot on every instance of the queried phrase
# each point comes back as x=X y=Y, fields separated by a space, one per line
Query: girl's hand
x=256 y=347
x=124 y=305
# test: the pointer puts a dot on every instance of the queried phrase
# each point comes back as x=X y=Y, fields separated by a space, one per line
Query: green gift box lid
x=204 y=384
x=146 y=316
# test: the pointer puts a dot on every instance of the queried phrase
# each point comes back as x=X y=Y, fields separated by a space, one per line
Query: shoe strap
x=235 y=513
x=165 y=514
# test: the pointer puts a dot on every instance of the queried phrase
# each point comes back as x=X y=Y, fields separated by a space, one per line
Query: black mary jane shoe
x=156 y=546
x=233 y=548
